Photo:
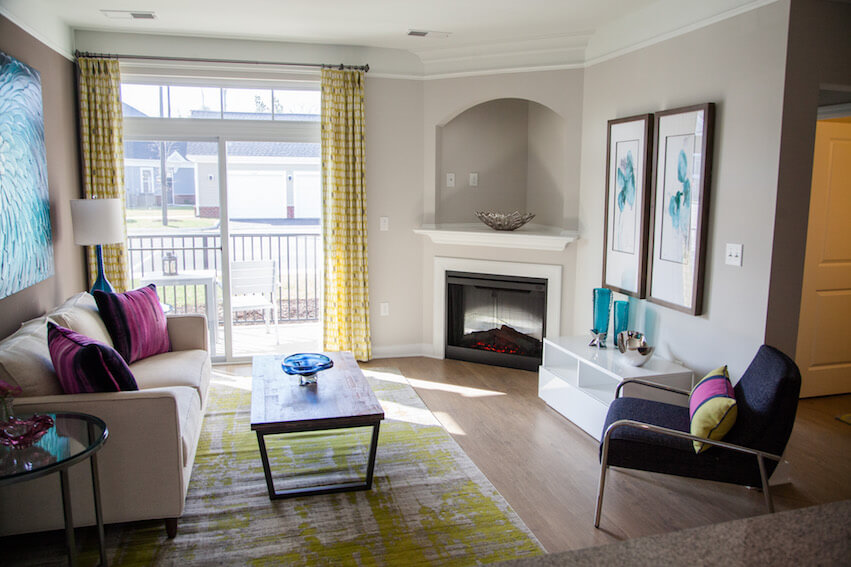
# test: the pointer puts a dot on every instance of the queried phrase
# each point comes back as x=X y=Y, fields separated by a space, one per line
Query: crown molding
x=66 y=51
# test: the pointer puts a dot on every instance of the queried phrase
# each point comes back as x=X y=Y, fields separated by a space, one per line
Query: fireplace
x=495 y=319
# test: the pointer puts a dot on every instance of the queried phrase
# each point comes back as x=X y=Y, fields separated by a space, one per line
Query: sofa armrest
x=141 y=465
x=187 y=332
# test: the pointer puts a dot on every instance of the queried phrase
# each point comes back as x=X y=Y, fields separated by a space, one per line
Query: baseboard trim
x=402 y=351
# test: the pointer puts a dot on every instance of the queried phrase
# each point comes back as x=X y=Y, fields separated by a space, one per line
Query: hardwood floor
x=547 y=468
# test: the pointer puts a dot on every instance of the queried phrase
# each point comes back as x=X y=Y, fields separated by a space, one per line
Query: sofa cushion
x=25 y=360
x=80 y=313
x=85 y=365
x=182 y=368
x=135 y=321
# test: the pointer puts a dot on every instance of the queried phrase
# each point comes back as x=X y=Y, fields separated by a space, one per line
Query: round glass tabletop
x=73 y=437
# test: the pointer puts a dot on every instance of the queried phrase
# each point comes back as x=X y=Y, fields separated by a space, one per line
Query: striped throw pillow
x=712 y=407
x=135 y=321
x=85 y=365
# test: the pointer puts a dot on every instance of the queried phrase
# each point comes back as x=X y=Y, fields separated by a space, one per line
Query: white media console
x=579 y=381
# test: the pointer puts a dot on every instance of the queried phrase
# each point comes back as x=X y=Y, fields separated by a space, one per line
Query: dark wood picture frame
x=624 y=269
x=672 y=235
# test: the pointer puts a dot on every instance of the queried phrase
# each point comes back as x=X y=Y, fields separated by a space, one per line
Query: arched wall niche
x=516 y=146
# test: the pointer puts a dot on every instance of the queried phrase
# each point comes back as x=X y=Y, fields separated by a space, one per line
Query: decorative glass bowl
x=21 y=433
x=504 y=221
x=306 y=365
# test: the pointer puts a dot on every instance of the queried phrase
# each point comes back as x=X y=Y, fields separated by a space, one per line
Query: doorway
x=823 y=352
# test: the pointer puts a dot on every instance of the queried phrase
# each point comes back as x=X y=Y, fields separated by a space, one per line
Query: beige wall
x=492 y=140
x=394 y=148
x=63 y=173
x=545 y=194
x=819 y=56
x=739 y=65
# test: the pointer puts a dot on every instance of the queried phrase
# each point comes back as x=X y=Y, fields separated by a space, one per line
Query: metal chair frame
x=760 y=455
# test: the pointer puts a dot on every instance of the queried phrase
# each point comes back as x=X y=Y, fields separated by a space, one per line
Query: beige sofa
x=145 y=466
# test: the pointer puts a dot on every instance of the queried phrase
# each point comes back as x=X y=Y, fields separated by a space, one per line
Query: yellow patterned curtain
x=346 y=318
x=102 y=142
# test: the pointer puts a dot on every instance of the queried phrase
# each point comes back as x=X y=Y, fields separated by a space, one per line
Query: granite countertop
x=818 y=535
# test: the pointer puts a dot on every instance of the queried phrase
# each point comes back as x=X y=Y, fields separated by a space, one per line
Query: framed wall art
x=627 y=204
x=25 y=233
x=682 y=153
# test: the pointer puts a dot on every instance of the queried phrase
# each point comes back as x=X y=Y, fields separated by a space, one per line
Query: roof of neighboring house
x=257 y=149
x=135 y=149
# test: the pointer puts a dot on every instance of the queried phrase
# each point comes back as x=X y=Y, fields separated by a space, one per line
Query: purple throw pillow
x=85 y=365
x=135 y=321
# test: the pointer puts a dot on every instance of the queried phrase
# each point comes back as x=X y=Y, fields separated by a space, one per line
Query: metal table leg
x=69 y=517
x=366 y=484
x=93 y=460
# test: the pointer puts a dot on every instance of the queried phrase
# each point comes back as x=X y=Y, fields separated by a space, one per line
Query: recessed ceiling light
x=129 y=14
x=428 y=33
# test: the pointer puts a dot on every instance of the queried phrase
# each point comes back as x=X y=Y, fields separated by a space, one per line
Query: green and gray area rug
x=429 y=504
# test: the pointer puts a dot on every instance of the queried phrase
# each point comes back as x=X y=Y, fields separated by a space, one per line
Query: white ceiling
x=547 y=30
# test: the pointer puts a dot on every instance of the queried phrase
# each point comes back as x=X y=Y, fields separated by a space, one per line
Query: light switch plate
x=450 y=180
x=384 y=308
x=384 y=224
x=474 y=180
x=734 y=255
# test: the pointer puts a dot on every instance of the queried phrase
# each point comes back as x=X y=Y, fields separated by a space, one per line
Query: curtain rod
x=364 y=68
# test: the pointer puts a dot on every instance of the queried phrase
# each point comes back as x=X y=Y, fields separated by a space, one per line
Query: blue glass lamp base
x=101 y=283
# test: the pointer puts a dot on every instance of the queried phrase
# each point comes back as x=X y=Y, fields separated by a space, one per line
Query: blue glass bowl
x=306 y=363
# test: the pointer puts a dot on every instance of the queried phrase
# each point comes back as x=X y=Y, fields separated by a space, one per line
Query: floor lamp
x=97 y=222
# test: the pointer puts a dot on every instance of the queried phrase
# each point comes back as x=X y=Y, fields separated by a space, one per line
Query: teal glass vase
x=602 y=308
x=620 y=319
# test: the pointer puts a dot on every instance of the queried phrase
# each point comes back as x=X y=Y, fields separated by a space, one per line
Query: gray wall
x=394 y=162
x=545 y=194
x=739 y=65
x=492 y=140
x=63 y=173
x=819 y=56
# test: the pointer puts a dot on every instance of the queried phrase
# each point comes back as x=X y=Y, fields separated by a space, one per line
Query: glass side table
x=73 y=438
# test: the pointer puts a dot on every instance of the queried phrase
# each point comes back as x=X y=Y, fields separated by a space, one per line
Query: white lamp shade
x=97 y=221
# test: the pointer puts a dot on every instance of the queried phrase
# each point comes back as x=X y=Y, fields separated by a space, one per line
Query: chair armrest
x=187 y=331
x=682 y=434
x=650 y=385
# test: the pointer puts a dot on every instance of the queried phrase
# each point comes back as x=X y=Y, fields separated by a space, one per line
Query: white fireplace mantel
x=528 y=237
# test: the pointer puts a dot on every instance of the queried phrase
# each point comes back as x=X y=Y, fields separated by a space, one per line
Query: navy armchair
x=654 y=436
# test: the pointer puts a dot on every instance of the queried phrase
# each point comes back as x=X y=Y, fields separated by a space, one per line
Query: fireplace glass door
x=497 y=320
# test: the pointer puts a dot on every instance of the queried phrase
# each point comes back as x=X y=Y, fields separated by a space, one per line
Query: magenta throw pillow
x=135 y=321
x=85 y=365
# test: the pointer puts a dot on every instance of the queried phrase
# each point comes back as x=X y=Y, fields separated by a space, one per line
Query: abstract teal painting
x=625 y=213
x=25 y=235
x=677 y=211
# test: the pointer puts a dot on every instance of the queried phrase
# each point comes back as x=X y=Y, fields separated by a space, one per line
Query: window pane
x=191 y=186
x=140 y=100
x=195 y=102
x=297 y=105
x=248 y=104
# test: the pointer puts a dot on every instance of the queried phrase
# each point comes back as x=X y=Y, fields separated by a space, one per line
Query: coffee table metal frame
x=90 y=452
x=342 y=398
x=279 y=429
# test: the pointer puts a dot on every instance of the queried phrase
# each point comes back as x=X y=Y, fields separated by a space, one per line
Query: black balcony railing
x=298 y=261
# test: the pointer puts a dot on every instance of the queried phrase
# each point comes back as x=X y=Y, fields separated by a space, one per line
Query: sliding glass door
x=223 y=210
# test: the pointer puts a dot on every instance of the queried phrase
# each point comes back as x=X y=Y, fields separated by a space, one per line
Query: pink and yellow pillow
x=712 y=407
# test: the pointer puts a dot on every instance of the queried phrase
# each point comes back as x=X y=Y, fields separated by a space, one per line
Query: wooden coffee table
x=341 y=397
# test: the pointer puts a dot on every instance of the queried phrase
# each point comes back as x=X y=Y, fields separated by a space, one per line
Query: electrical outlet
x=384 y=224
x=734 y=255
x=450 y=180
x=474 y=180
x=384 y=308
